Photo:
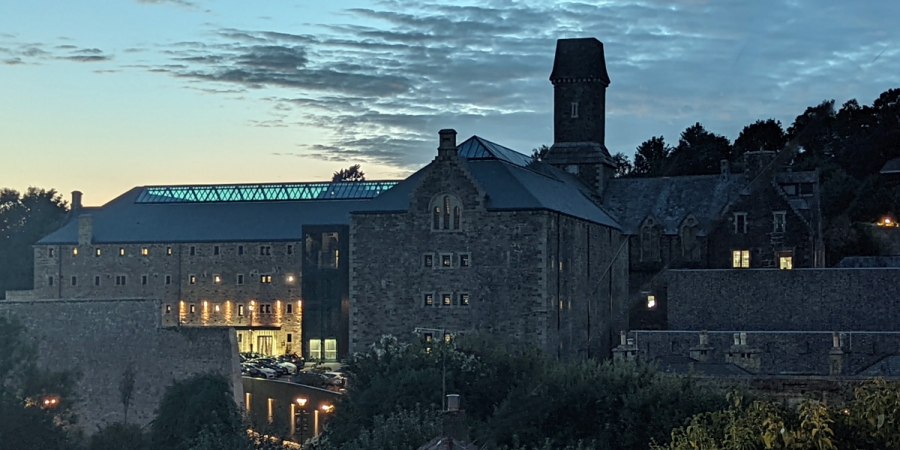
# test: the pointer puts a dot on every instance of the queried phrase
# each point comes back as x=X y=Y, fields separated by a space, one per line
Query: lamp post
x=250 y=308
x=443 y=361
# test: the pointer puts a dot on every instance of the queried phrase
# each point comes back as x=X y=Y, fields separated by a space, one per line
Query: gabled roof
x=670 y=199
x=849 y=262
x=891 y=167
x=888 y=367
x=512 y=181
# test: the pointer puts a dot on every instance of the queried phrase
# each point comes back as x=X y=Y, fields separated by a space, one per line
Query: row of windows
x=779 y=221
x=263 y=308
x=446 y=260
x=264 y=250
x=461 y=299
x=446 y=214
x=740 y=259
x=121 y=280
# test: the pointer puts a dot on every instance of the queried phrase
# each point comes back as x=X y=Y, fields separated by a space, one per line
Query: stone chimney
x=447 y=147
x=702 y=351
x=85 y=229
x=76 y=202
x=743 y=355
x=454 y=420
x=627 y=349
x=836 y=355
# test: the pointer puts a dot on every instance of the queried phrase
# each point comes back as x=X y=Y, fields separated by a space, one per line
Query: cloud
x=387 y=78
x=33 y=53
x=183 y=3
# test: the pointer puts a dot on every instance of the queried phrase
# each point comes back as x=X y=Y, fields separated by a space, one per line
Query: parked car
x=251 y=371
x=270 y=373
x=264 y=363
x=289 y=368
x=336 y=379
x=294 y=359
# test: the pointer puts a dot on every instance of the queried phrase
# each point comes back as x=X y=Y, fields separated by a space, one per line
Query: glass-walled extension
x=326 y=292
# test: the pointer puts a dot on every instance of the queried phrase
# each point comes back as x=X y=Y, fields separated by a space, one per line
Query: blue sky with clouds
x=103 y=95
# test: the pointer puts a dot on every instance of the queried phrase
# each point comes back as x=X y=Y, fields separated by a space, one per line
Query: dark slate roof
x=892 y=166
x=869 y=261
x=684 y=365
x=670 y=199
x=122 y=220
x=512 y=181
x=578 y=59
x=887 y=367
x=797 y=177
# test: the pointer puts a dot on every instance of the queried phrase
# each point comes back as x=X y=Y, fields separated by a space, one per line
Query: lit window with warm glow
x=740 y=259
x=785 y=262
x=192 y=279
x=145 y=251
x=97 y=252
x=446 y=337
x=217 y=279
x=651 y=301
x=121 y=251
x=74 y=251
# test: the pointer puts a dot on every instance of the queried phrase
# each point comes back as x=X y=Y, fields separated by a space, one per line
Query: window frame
x=742 y=215
x=776 y=224
x=740 y=259
x=467 y=257
x=446 y=213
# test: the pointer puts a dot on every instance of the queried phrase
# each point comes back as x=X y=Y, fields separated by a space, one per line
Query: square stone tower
x=579 y=113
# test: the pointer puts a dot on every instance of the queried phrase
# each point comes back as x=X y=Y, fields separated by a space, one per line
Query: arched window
x=446 y=213
x=650 y=241
x=690 y=246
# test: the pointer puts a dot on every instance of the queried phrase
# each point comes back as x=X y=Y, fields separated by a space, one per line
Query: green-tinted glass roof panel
x=339 y=190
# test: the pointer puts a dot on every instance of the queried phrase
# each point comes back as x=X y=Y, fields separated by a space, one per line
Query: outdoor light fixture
x=50 y=402
x=290 y=278
x=301 y=401
x=327 y=408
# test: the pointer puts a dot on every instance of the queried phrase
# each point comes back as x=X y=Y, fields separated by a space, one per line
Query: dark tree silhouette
x=539 y=153
x=352 y=173
x=699 y=152
x=623 y=165
x=651 y=157
x=760 y=135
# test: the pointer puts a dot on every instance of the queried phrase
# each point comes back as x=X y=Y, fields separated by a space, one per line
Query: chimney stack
x=447 y=146
x=76 y=201
x=454 y=423
x=85 y=229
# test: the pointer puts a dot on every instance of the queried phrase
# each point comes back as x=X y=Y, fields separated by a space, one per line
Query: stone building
x=268 y=260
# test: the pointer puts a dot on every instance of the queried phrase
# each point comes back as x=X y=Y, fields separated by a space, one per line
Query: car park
x=288 y=367
x=269 y=373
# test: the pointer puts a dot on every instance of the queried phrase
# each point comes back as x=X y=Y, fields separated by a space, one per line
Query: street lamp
x=250 y=330
x=443 y=335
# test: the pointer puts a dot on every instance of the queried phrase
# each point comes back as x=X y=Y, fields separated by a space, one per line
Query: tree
x=126 y=390
x=402 y=430
x=199 y=412
x=35 y=404
x=699 y=152
x=651 y=157
x=118 y=436
x=623 y=165
x=25 y=219
x=538 y=154
x=352 y=173
x=760 y=135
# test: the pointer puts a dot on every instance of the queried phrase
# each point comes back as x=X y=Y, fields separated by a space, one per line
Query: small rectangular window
x=97 y=281
x=446 y=260
x=290 y=337
x=429 y=260
x=193 y=250
x=240 y=278
x=143 y=280
x=265 y=250
x=290 y=308
x=120 y=280
x=240 y=249
x=464 y=260
x=49 y=281
x=240 y=310
x=446 y=299
x=574 y=110
x=216 y=250
x=96 y=252
x=429 y=299
x=290 y=249
x=217 y=279
x=463 y=299
x=428 y=337
x=192 y=279
x=50 y=252
x=193 y=309
x=778 y=219
x=169 y=251
x=786 y=262
x=446 y=337
x=121 y=251
x=740 y=223
x=168 y=309
x=168 y=279
x=74 y=281
x=265 y=279
x=145 y=251
x=74 y=251
x=790 y=189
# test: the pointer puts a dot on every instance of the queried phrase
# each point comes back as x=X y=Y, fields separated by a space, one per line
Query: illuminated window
x=217 y=279
x=121 y=251
x=192 y=279
x=240 y=278
x=193 y=308
x=216 y=250
x=240 y=310
x=778 y=219
x=428 y=337
x=651 y=301
x=446 y=337
x=574 y=110
x=74 y=251
x=265 y=279
x=785 y=260
x=446 y=260
x=429 y=299
x=145 y=251
x=740 y=223
x=446 y=213
x=97 y=252
x=463 y=299
x=168 y=250
x=464 y=260
x=429 y=260
x=446 y=299
x=217 y=308
x=168 y=309
x=740 y=259
x=50 y=252
x=168 y=279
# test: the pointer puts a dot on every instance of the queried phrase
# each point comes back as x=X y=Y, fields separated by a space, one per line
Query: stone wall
x=101 y=338
x=203 y=284
x=784 y=300
x=273 y=406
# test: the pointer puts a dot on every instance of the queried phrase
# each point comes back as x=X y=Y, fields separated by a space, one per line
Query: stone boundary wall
x=784 y=300
x=101 y=339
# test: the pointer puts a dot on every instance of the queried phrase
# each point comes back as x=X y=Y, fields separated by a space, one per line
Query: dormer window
x=446 y=213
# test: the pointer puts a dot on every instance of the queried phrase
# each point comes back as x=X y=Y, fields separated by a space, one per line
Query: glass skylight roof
x=340 y=190
x=478 y=148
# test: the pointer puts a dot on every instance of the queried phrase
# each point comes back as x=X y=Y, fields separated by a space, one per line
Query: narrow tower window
x=574 y=110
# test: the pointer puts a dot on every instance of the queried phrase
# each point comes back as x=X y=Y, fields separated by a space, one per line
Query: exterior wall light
x=301 y=401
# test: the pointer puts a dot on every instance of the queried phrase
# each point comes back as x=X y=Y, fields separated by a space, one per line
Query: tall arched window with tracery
x=446 y=213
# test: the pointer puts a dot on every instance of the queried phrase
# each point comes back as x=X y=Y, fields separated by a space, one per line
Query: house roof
x=579 y=59
x=669 y=200
x=891 y=167
x=887 y=367
x=678 y=364
x=869 y=261
x=512 y=181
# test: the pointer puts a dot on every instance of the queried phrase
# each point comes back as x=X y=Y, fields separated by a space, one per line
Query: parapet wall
x=102 y=339
x=783 y=300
